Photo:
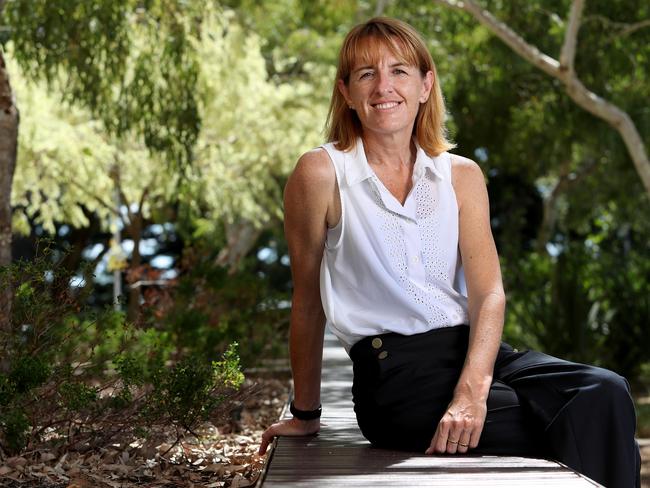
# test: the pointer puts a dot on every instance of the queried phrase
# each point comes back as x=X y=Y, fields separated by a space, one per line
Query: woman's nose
x=384 y=83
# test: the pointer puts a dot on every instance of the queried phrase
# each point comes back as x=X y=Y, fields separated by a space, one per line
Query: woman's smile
x=386 y=106
x=386 y=93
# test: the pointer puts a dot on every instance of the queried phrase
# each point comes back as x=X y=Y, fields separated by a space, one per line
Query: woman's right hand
x=309 y=198
x=289 y=427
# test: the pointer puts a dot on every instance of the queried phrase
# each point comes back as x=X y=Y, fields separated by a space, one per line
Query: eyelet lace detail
x=393 y=231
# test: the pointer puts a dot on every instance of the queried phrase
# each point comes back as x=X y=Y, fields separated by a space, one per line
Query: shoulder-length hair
x=362 y=45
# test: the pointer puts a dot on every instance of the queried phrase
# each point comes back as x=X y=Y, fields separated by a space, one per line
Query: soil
x=223 y=456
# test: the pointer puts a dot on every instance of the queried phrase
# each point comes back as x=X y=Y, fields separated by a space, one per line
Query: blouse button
x=383 y=355
x=377 y=343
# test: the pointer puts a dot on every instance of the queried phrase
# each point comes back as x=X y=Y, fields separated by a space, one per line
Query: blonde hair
x=362 y=44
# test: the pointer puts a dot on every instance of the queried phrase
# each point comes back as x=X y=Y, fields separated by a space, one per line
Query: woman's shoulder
x=462 y=163
x=466 y=176
x=315 y=160
x=311 y=188
x=314 y=168
x=313 y=156
x=463 y=168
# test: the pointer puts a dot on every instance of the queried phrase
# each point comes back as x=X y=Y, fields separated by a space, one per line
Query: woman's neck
x=392 y=152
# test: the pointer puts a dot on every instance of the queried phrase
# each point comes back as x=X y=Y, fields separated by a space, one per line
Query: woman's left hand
x=460 y=427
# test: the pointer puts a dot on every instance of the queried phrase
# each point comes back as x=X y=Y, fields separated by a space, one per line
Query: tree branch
x=380 y=7
x=630 y=28
x=117 y=181
x=98 y=199
x=625 y=28
x=241 y=236
x=517 y=43
x=143 y=197
x=568 y=52
x=566 y=180
x=585 y=98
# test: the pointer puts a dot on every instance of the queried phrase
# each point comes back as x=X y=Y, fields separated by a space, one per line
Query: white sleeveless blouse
x=388 y=267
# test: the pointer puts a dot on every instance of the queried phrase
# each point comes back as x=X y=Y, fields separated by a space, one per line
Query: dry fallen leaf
x=61 y=461
x=119 y=468
x=47 y=456
x=240 y=482
x=80 y=483
x=213 y=460
x=217 y=468
x=16 y=461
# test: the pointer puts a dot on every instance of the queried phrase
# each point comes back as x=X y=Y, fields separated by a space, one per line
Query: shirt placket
x=415 y=270
x=413 y=244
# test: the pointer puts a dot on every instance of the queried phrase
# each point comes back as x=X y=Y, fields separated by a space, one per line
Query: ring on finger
x=452 y=442
x=464 y=445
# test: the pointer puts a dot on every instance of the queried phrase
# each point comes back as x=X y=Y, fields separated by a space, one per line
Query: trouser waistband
x=443 y=341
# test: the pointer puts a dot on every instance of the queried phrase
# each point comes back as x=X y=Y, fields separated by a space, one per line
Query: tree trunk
x=566 y=181
x=9 y=119
x=135 y=232
x=380 y=6
x=241 y=237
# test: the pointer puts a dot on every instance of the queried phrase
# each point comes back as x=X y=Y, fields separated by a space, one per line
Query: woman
x=390 y=244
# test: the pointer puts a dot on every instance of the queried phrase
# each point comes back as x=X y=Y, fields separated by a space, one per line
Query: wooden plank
x=340 y=456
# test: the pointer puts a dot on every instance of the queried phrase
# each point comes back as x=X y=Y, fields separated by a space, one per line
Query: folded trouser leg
x=587 y=413
x=509 y=429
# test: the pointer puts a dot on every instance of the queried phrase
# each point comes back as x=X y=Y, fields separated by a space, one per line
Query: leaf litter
x=218 y=456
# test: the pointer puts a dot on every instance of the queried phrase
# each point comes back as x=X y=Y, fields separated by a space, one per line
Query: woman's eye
x=367 y=74
x=400 y=72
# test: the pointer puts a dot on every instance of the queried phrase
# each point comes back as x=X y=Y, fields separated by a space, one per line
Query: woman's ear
x=426 y=86
x=343 y=88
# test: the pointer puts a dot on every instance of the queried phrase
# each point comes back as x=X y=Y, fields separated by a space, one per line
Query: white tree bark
x=380 y=6
x=567 y=180
x=563 y=70
x=568 y=53
x=9 y=118
x=241 y=237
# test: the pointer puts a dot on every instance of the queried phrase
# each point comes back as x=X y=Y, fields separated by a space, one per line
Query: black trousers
x=538 y=405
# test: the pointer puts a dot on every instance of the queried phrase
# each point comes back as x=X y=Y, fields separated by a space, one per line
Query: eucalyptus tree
x=564 y=67
x=89 y=42
x=253 y=129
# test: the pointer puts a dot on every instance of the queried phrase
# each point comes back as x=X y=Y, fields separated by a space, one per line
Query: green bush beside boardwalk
x=74 y=377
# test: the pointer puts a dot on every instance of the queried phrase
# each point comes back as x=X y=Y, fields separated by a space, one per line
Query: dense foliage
x=80 y=379
x=238 y=89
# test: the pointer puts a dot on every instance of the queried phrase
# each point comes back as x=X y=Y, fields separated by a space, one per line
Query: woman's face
x=386 y=94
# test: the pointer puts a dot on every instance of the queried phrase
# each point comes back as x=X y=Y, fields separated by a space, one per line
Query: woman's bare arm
x=308 y=204
x=465 y=416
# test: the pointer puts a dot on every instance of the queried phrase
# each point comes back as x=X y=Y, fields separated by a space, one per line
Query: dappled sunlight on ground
x=218 y=456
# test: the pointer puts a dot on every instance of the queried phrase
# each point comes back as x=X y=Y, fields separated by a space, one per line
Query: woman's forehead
x=369 y=51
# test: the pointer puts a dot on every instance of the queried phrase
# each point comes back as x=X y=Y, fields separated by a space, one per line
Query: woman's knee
x=607 y=384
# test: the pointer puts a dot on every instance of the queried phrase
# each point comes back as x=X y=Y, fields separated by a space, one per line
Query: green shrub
x=192 y=390
x=14 y=425
x=584 y=305
x=212 y=308
x=72 y=376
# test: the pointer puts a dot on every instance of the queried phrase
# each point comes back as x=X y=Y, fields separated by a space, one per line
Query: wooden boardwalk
x=339 y=456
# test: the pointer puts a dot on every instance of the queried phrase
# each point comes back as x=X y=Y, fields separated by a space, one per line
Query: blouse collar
x=357 y=168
